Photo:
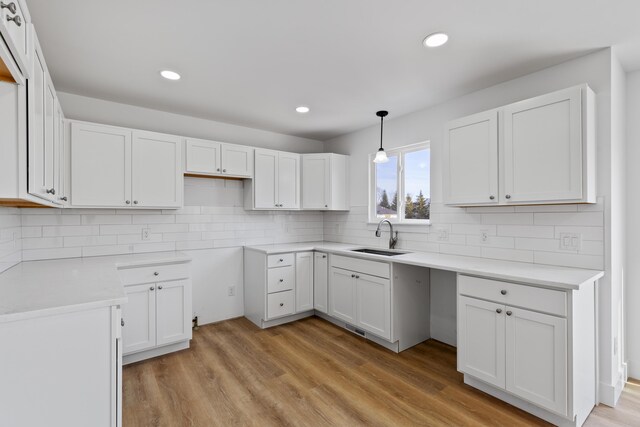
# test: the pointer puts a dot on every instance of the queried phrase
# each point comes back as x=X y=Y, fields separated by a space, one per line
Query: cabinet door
x=320 y=281
x=37 y=141
x=481 y=340
x=536 y=349
x=316 y=181
x=202 y=156
x=156 y=170
x=342 y=294
x=139 y=316
x=265 y=179
x=100 y=165
x=237 y=160
x=63 y=159
x=173 y=311
x=470 y=160
x=541 y=150
x=373 y=304
x=304 y=281
x=289 y=180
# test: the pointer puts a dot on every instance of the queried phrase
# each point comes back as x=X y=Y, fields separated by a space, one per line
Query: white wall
x=10 y=238
x=632 y=288
x=112 y=113
x=528 y=234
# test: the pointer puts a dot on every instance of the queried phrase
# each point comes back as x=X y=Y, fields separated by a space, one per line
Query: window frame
x=400 y=153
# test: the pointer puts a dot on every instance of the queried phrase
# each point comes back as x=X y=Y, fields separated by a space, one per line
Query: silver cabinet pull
x=498 y=310
x=508 y=196
x=224 y=170
x=135 y=202
x=159 y=286
x=218 y=170
x=281 y=304
x=121 y=322
x=11 y=6
x=51 y=191
x=152 y=288
x=357 y=277
x=491 y=197
x=509 y=313
x=503 y=292
x=326 y=206
x=281 y=260
x=155 y=273
x=324 y=256
x=128 y=202
x=353 y=276
x=281 y=280
x=64 y=198
x=16 y=20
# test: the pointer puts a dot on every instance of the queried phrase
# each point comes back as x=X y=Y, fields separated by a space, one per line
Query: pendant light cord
x=381 y=128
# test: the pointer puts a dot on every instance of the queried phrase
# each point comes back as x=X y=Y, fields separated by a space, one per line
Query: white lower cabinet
x=157 y=317
x=320 y=282
x=518 y=338
x=342 y=294
x=373 y=304
x=304 y=281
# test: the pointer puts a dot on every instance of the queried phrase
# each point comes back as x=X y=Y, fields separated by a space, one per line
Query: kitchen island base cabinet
x=530 y=346
x=64 y=370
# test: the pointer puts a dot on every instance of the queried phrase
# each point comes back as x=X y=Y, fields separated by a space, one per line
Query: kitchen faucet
x=393 y=239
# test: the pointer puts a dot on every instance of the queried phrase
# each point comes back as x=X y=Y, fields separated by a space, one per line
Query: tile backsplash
x=214 y=217
x=518 y=233
x=10 y=238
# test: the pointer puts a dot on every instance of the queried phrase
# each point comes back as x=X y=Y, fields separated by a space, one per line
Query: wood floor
x=312 y=373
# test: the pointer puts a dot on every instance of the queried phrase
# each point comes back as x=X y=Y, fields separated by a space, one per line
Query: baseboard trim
x=610 y=393
x=154 y=352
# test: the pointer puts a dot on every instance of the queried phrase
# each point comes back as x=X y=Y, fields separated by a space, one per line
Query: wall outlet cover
x=146 y=233
x=570 y=241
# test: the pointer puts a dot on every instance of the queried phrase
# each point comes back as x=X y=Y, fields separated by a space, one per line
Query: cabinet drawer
x=280 y=260
x=135 y=276
x=280 y=304
x=530 y=297
x=373 y=268
x=280 y=279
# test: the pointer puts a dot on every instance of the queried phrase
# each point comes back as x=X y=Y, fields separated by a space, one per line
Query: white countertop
x=37 y=288
x=548 y=276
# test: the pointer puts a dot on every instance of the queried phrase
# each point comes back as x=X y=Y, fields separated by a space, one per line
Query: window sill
x=422 y=223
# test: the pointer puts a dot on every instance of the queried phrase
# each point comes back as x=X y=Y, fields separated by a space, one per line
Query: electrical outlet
x=570 y=241
x=443 y=234
x=231 y=291
x=146 y=234
x=484 y=236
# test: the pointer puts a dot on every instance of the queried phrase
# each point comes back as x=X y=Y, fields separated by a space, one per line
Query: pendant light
x=381 y=156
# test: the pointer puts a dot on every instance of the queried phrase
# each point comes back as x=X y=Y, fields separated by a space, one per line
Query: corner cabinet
x=157 y=316
x=276 y=181
x=325 y=184
x=536 y=151
x=119 y=167
x=320 y=281
x=529 y=346
x=212 y=158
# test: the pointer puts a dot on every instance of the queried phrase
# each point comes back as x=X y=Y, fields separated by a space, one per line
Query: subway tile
x=530 y=243
x=169 y=228
x=120 y=229
x=43 y=243
x=83 y=241
x=153 y=219
x=508 y=254
x=31 y=232
x=106 y=219
x=35 y=220
x=508 y=219
x=525 y=231
x=54 y=253
x=70 y=230
x=587 y=233
x=154 y=247
x=569 y=260
x=106 y=250
x=572 y=219
x=172 y=237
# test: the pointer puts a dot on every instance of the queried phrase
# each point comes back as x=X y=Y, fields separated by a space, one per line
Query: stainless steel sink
x=378 y=252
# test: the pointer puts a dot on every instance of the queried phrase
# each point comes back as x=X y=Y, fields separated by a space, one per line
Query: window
x=401 y=190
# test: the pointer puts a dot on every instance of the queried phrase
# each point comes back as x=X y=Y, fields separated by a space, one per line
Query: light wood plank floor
x=312 y=373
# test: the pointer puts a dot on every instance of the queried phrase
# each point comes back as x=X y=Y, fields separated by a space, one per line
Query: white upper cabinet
x=15 y=52
x=100 y=165
x=537 y=151
x=156 y=172
x=218 y=159
x=470 y=159
x=202 y=157
x=276 y=181
x=542 y=148
x=118 y=167
x=324 y=182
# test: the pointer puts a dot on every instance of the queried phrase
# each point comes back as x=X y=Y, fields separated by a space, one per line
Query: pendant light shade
x=381 y=155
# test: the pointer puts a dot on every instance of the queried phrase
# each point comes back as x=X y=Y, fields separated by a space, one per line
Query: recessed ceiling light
x=170 y=75
x=435 y=39
x=302 y=109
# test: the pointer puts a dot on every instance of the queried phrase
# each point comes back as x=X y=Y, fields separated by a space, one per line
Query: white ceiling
x=251 y=62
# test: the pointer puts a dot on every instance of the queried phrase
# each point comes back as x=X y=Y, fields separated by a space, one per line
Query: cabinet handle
x=159 y=286
x=128 y=202
x=64 y=198
x=509 y=313
x=155 y=273
x=491 y=197
x=508 y=196
x=16 y=19
x=152 y=288
x=281 y=280
x=281 y=304
x=280 y=260
x=51 y=191
x=11 y=6
x=135 y=202
x=326 y=206
x=224 y=170
x=498 y=310
x=218 y=170
x=121 y=322
x=357 y=277
x=324 y=256
x=503 y=292
x=353 y=276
